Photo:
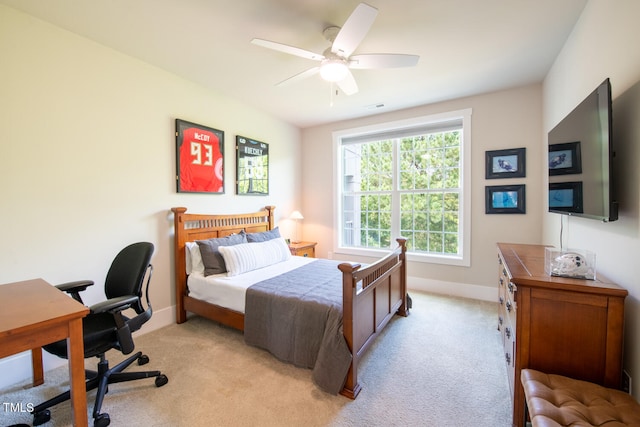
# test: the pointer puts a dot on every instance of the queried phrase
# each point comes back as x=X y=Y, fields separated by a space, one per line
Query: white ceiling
x=466 y=47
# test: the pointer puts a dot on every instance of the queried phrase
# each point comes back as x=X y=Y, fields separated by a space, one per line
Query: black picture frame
x=565 y=159
x=566 y=197
x=199 y=158
x=509 y=163
x=252 y=167
x=505 y=199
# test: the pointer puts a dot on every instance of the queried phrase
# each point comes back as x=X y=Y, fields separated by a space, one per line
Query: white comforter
x=229 y=291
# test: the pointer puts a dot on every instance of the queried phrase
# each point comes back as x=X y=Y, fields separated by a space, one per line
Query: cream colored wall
x=604 y=44
x=500 y=120
x=88 y=158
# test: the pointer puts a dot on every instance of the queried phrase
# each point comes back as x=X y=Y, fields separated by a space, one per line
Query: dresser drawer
x=509 y=354
x=507 y=318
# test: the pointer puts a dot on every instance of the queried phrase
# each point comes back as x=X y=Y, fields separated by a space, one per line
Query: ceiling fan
x=336 y=61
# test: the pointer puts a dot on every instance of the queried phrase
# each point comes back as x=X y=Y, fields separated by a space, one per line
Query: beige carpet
x=441 y=366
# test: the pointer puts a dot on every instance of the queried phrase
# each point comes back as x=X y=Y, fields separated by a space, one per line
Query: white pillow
x=251 y=256
x=194 y=258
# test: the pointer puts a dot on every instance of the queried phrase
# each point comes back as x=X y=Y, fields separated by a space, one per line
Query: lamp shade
x=296 y=215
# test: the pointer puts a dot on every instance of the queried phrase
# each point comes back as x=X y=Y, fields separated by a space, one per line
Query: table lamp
x=296 y=216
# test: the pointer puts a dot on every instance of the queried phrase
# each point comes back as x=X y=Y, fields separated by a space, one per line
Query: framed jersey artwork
x=199 y=158
x=252 y=167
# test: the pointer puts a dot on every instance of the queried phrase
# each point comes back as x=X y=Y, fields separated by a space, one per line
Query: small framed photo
x=565 y=159
x=252 y=167
x=199 y=158
x=505 y=199
x=510 y=163
x=565 y=197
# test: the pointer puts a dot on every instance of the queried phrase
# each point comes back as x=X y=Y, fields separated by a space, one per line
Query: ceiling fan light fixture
x=337 y=62
x=333 y=70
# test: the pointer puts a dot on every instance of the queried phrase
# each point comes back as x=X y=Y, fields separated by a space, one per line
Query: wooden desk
x=33 y=314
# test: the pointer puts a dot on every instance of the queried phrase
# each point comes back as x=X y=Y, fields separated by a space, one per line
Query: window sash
x=365 y=202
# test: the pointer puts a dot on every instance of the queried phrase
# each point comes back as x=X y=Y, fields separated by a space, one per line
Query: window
x=408 y=179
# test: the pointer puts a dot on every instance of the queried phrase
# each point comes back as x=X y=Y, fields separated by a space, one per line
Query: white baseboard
x=160 y=319
x=464 y=290
x=17 y=368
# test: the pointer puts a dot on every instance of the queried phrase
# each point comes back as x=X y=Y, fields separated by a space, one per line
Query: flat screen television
x=581 y=158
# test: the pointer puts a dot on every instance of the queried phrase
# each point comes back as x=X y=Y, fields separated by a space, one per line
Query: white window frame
x=464 y=259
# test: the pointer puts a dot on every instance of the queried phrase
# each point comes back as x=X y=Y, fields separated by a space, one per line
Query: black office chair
x=106 y=327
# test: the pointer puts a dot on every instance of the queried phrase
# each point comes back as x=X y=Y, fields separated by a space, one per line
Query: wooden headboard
x=192 y=227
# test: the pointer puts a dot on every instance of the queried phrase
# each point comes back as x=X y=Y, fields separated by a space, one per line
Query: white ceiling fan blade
x=354 y=29
x=288 y=49
x=348 y=85
x=300 y=76
x=382 y=60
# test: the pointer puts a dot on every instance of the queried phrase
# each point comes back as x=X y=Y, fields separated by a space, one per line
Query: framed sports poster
x=199 y=158
x=252 y=161
x=508 y=163
x=505 y=199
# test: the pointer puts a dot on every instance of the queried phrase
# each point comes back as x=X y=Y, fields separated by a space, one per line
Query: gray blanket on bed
x=297 y=316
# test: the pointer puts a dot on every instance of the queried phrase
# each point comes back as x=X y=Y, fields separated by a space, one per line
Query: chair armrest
x=114 y=304
x=77 y=286
x=74 y=288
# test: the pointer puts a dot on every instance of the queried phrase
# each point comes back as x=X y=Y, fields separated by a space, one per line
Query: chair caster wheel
x=143 y=359
x=161 y=380
x=41 y=417
x=102 y=420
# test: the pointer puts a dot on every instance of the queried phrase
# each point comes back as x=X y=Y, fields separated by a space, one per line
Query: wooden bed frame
x=371 y=295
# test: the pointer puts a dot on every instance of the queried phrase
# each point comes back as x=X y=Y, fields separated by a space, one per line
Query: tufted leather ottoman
x=554 y=400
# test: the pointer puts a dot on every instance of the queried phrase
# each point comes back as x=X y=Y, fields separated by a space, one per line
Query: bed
x=371 y=294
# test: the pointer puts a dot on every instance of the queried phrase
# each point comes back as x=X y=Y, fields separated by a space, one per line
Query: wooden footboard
x=371 y=296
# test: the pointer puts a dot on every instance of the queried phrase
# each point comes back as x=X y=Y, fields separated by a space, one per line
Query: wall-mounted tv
x=580 y=160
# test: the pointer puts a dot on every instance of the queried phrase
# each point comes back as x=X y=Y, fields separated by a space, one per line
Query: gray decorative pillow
x=211 y=257
x=263 y=236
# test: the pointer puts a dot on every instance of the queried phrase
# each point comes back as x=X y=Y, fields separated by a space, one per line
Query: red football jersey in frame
x=200 y=158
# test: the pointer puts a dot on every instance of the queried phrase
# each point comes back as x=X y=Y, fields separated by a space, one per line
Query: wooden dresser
x=556 y=325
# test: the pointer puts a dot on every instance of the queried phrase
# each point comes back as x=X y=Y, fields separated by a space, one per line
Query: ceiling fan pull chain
x=331 y=95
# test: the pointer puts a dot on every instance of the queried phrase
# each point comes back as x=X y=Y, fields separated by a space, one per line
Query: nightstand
x=307 y=249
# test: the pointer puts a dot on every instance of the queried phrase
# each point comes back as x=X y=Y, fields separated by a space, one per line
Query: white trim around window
x=400 y=128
